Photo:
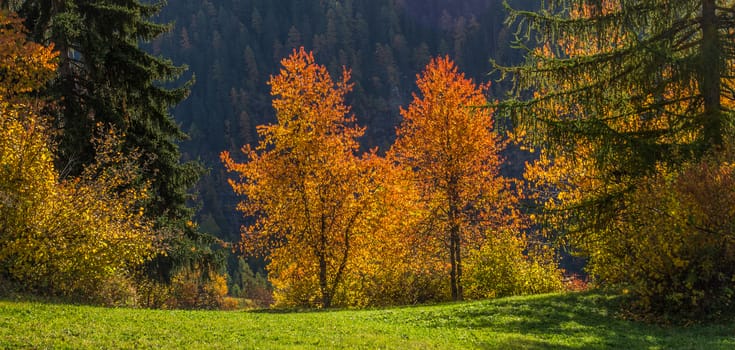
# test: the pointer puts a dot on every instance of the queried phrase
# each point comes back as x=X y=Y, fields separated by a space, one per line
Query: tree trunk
x=456 y=261
x=458 y=254
x=453 y=271
x=455 y=275
x=710 y=74
x=323 y=284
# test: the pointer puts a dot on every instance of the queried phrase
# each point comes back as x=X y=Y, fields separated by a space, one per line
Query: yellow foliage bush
x=81 y=237
x=73 y=238
x=295 y=282
x=504 y=265
x=677 y=253
x=230 y=303
x=155 y=295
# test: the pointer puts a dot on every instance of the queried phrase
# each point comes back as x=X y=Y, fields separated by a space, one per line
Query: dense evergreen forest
x=233 y=46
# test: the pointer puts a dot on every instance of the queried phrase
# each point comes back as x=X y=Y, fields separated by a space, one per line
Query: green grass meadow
x=559 y=321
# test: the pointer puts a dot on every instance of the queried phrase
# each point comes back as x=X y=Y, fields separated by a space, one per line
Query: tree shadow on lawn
x=574 y=321
x=295 y=310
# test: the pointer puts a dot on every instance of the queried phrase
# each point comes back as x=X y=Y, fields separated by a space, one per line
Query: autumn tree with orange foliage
x=450 y=144
x=307 y=190
x=26 y=66
x=395 y=263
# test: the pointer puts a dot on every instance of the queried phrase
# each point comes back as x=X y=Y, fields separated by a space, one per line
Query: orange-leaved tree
x=24 y=66
x=450 y=144
x=395 y=263
x=309 y=193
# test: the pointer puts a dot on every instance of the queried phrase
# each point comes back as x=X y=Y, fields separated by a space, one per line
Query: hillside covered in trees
x=367 y=152
x=232 y=47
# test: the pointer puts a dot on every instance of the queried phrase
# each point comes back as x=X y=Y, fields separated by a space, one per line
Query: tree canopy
x=304 y=184
x=448 y=140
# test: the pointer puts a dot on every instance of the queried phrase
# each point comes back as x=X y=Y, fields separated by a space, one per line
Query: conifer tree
x=622 y=95
x=624 y=85
x=615 y=61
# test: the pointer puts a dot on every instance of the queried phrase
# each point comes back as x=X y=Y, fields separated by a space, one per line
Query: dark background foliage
x=233 y=46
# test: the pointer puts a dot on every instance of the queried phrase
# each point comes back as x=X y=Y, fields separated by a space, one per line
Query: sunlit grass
x=567 y=321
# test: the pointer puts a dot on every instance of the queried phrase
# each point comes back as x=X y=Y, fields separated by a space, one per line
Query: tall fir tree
x=623 y=95
x=629 y=84
x=105 y=77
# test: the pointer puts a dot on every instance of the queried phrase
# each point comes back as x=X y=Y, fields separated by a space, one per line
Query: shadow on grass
x=294 y=310
x=523 y=343
x=573 y=321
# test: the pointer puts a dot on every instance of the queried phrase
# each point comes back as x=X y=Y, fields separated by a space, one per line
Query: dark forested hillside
x=233 y=46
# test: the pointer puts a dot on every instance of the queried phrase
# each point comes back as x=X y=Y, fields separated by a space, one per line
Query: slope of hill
x=568 y=321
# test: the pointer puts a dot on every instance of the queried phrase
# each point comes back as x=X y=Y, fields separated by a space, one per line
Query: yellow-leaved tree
x=82 y=237
x=27 y=175
x=310 y=195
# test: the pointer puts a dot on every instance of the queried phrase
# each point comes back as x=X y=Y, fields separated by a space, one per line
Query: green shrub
x=253 y=286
